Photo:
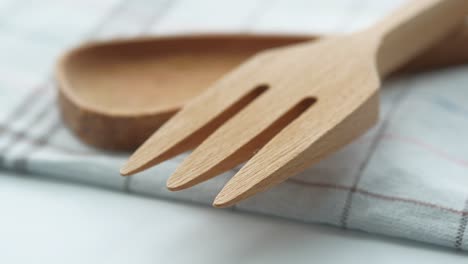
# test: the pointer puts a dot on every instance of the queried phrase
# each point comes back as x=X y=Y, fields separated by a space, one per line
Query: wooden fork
x=287 y=108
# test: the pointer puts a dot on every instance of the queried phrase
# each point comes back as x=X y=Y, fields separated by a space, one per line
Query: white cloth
x=407 y=177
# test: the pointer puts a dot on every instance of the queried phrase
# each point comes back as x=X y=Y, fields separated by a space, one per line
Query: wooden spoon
x=114 y=95
x=285 y=109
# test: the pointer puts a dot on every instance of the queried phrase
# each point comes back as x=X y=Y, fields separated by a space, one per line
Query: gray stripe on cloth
x=21 y=163
x=375 y=143
x=32 y=97
x=462 y=228
x=19 y=136
x=22 y=108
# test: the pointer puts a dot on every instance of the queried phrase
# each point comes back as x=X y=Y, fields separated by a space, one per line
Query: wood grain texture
x=341 y=75
x=114 y=95
x=126 y=122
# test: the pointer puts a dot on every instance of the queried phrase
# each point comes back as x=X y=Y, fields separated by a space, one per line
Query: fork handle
x=413 y=29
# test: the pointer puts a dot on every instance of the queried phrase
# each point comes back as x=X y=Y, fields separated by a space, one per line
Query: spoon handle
x=414 y=28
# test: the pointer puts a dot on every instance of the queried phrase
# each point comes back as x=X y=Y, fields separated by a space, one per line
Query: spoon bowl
x=114 y=95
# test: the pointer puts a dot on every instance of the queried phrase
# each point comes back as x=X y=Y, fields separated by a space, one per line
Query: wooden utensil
x=114 y=95
x=152 y=78
x=289 y=107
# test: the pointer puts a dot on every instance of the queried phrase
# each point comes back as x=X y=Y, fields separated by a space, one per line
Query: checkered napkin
x=407 y=177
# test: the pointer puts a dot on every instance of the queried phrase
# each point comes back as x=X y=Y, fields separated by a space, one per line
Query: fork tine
x=302 y=143
x=237 y=140
x=196 y=121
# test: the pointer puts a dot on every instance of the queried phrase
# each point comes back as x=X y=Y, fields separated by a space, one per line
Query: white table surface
x=44 y=221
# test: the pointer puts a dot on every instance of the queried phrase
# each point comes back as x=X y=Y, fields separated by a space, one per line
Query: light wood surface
x=318 y=97
x=115 y=94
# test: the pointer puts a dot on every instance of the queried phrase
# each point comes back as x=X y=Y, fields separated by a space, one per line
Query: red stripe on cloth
x=377 y=195
x=428 y=147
